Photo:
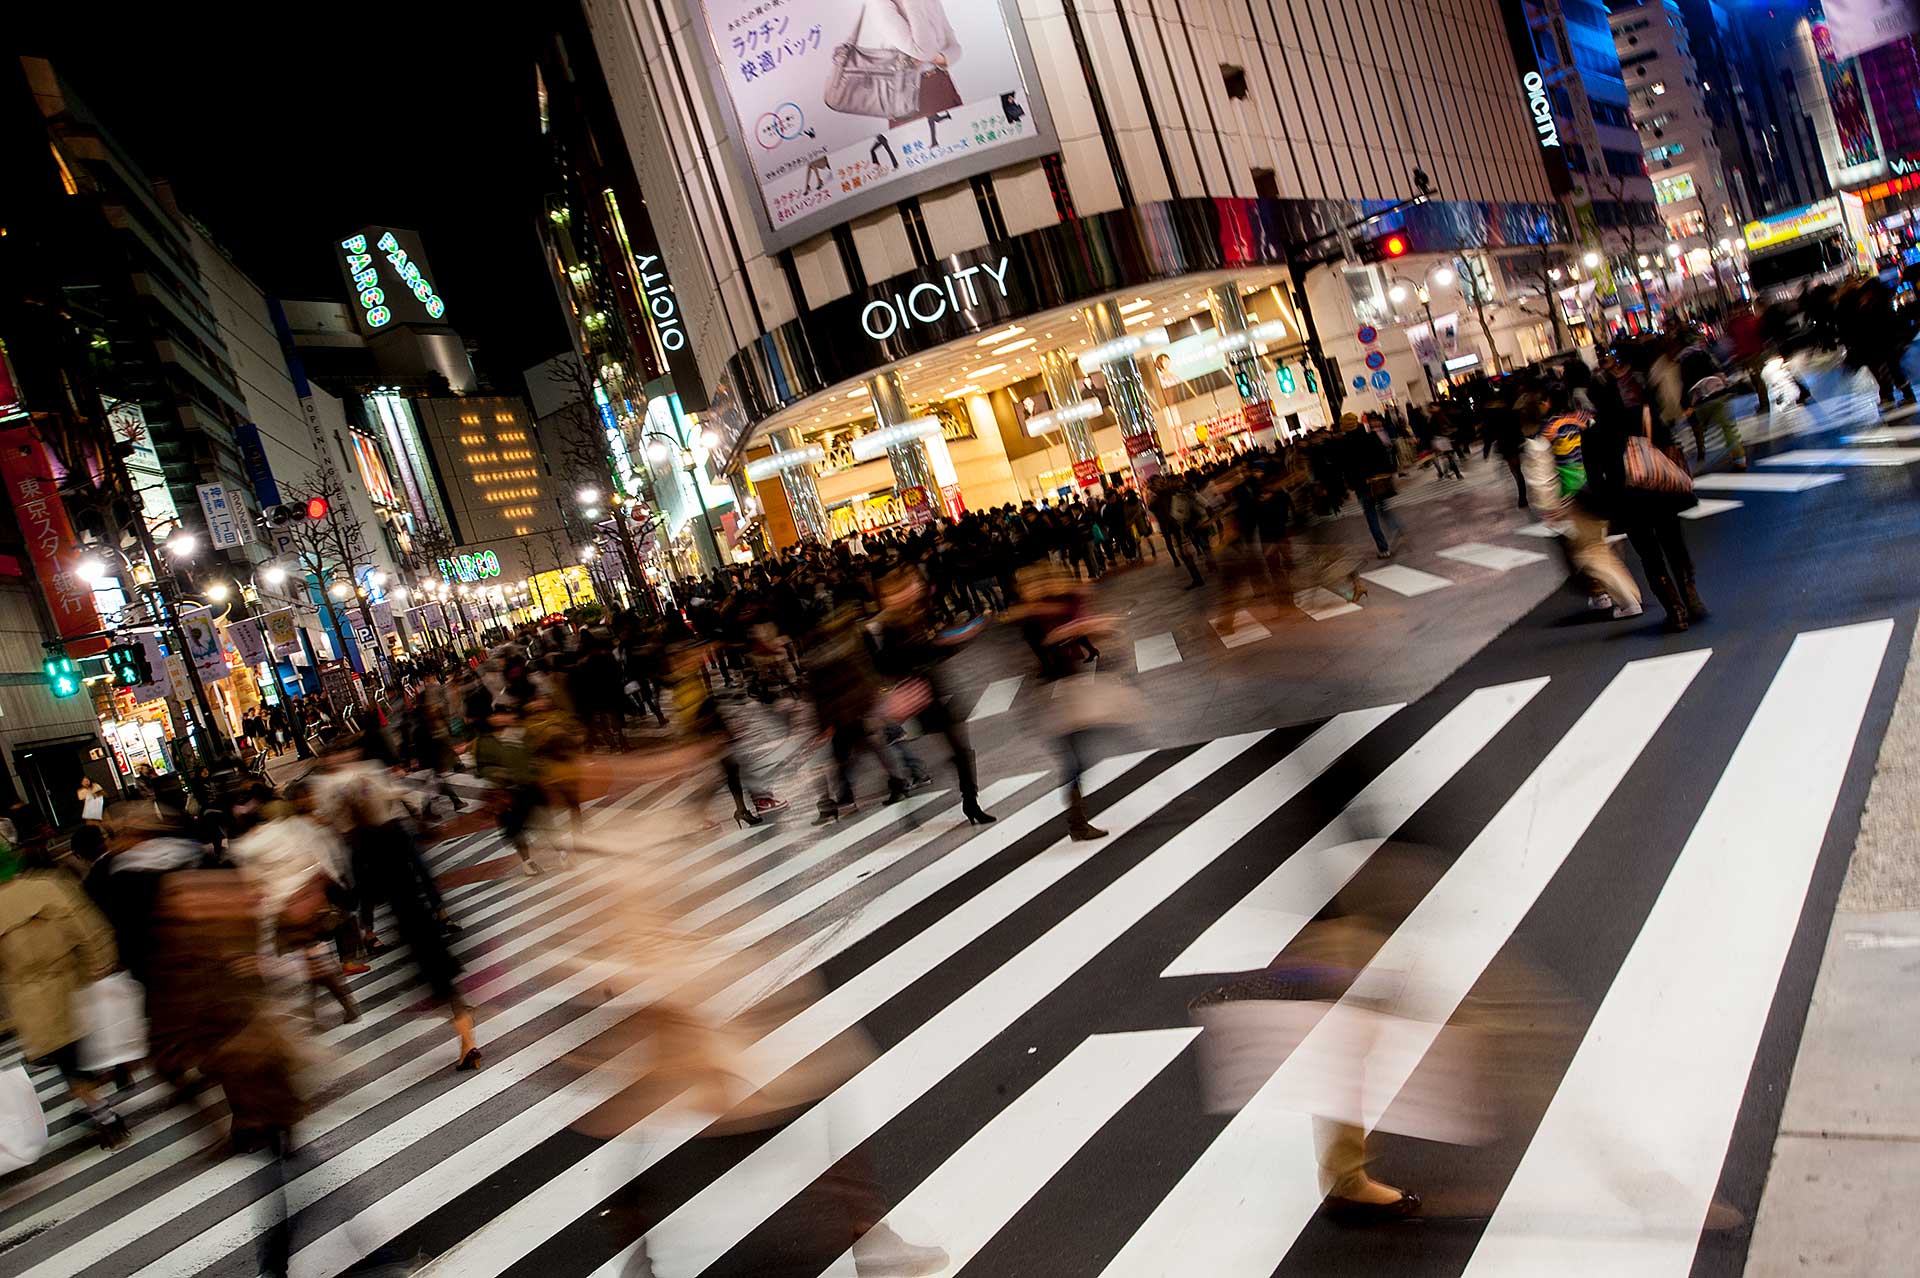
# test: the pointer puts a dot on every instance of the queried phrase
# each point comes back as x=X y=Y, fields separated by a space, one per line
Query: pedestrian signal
x=62 y=675
x=128 y=664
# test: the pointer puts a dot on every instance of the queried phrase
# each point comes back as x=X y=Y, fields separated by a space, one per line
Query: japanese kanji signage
x=27 y=470
x=226 y=513
x=778 y=62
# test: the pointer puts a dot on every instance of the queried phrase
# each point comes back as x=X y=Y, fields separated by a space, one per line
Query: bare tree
x=1475 y=285
x=1630 y=230
x=331 y=550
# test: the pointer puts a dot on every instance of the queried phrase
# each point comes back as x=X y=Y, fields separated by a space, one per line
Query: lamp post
x=1398 y=294
x=274 y=575
x=660 y=450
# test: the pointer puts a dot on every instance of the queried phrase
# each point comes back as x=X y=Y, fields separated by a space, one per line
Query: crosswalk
x=1030 y=1093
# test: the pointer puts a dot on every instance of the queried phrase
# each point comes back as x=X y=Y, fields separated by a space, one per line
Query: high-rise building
x=815 y=268
x=1667 y=99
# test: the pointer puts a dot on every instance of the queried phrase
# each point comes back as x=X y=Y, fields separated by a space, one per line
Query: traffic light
x=292 y=512
x=62 y=675
x=129 y=665
x=1384 y=248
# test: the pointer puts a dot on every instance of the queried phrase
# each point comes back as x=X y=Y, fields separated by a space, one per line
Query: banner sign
x=280 y=628
x=161 y=686
x=383 y=618
x=226 y=514
x=842 y=106
x=248 y=642
x=27 y=470
x=204 y=643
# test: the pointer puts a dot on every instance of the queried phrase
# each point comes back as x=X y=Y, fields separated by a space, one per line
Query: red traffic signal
x=316 y=508
x=1384 y=248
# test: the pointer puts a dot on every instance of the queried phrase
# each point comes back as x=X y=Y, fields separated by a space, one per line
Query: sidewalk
x=1846 y=1160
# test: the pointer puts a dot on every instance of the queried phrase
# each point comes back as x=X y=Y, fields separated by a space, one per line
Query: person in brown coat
x=53 y=942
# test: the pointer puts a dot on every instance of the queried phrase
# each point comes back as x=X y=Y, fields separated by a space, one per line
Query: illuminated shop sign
x=1794 y=224
x=1541 y=109
x=928 y=302
x=470 y=567
x=386 y=272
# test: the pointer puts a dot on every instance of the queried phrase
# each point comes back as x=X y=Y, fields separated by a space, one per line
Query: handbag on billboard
x=876 y=82
x=937 y=93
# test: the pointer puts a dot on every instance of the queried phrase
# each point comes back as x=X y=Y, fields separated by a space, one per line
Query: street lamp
x=1398 y=292
x=1591 y=260
x=182 y=544
x=661 y=446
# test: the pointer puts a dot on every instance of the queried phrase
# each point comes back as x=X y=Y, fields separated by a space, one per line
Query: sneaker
x=354 y=967
x=529 y=868
x=1599 y=600
x=1622 y=611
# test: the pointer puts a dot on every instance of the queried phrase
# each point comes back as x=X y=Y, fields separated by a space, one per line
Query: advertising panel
x=373 y=471
x=388 y=278
x=51 y=542
x=842 y=106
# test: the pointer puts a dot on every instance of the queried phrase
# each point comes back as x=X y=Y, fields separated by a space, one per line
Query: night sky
x=285 y=127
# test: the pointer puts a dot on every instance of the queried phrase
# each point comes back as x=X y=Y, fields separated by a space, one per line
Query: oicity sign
x=928 y=303
x=662 y=305
x=1542 y=109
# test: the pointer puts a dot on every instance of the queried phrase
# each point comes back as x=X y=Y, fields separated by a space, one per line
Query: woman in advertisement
x=892 y=32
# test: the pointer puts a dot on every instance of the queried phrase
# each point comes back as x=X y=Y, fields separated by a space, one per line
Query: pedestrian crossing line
x=422 y=1195
x=995 y=700
x=1431 y=962
x=1403 y=580
x=715 y=1219
x=378 y=1147
x=548 y=1208
x=1537 y=529
x=1155 y=651
x=407 y=1072
x=1262 y=923
x=972 y=1196
x=1844 y=457
x=1706 y=507
x=1658 y=1081
x=1322 y=604
x=1885 y=435
x=1482 y=555
x=1245 y=630
x=1751 y=482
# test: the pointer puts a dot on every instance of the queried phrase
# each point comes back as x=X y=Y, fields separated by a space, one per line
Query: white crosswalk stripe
x=1242 y=630
x=988 y=953
x=1484 y=555
x=1155 y=651
x=1403 y=580
x=997 y=698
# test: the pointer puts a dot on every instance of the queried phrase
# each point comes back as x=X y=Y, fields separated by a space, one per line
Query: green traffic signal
x=62 y=675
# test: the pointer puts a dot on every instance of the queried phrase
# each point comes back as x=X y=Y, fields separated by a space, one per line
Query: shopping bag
x=23 y=1124
x=1650 y=470
x=881 y=82
x=111 y=1015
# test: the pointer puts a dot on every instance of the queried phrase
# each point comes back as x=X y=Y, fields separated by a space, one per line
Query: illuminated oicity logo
x=1541 y=109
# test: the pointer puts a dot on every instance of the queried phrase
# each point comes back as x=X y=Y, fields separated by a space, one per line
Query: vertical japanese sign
x=204 y=643
x=226 y=515
x=253 y=456
x=27 y=470
x=280 y=628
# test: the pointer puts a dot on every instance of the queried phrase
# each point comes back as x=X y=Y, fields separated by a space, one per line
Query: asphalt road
x=1544 y=893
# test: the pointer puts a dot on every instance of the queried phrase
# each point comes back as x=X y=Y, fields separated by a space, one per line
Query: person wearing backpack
x=1552 y=460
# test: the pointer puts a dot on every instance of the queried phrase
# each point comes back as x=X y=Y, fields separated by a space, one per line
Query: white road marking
x=1155 y=651
x=1498 y=558
x=1844 y=457
x=1261 y=923
x=1322 y=604
x=1431 y=961
x=1403 y=580
x=995 y=700
x=704 y=1228
x=971 y=1197
x=1745 y=482
x=1885 y=435
x=1706 y=506
x=1245 y=630
x=1622 y=1170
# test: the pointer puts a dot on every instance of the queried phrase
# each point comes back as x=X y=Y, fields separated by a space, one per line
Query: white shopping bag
x=112 y=1018
x=23 y=1124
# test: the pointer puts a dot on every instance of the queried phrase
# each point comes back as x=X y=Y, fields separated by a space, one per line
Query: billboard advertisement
x=388 y=280
x=842 y=106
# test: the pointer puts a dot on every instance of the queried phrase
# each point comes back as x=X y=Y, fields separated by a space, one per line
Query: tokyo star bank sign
x=844 y=106
x=389 y=280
